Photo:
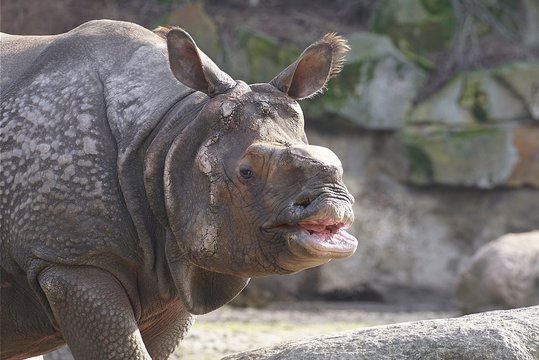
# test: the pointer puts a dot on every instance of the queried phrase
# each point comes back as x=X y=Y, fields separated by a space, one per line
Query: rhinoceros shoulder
x=112 y=31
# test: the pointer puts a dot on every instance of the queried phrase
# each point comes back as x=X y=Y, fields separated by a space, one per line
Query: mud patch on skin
x=206 y=163
x=228 y=118
x=208 y=231
x=209 y=239
x=227 y=109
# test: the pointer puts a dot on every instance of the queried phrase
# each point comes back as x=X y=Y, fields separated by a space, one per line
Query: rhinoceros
x=141 y=185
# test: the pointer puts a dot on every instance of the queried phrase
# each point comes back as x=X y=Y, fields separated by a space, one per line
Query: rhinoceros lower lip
x=323 y=239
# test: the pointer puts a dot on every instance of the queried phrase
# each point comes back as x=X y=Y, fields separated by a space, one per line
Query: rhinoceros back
x=72 y=105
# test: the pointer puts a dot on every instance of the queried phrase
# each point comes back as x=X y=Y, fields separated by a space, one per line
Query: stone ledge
x=509 y=334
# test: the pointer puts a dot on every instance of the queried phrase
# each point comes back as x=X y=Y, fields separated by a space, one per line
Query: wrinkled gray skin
x=133 y=196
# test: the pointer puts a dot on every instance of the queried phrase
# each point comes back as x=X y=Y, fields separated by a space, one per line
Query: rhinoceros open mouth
x=314 y=233
x=318 y=239
x=323 y=238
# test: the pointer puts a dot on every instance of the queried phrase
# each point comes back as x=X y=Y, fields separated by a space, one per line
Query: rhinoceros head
x=254 y=199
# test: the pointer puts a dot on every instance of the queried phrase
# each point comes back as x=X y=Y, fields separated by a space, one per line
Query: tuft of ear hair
x=339 y=48
x=162 y=31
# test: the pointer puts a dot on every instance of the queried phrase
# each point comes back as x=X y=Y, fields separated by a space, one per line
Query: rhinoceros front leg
x=93 y=313
x=163 y=333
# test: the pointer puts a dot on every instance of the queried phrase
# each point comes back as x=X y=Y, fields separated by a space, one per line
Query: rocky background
x=435 y=117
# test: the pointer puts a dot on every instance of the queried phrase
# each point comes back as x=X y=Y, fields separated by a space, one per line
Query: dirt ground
x=229 y=330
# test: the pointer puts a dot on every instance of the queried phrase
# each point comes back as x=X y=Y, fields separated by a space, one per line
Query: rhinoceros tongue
x=321 y=226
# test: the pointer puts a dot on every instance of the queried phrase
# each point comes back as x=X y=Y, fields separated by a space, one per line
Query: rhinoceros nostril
x=303 y=201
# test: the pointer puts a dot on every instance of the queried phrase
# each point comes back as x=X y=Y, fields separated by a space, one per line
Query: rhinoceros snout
x=308 y=179
x=312 y=177
x=337 y=191
x=322 y=175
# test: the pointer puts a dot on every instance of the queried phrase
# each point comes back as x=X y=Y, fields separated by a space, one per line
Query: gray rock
x=401 y=242
x=480 y=97
x=477 y=156
x=400 y=245
x=502 y=274
x=510 y=334
x=523 y=81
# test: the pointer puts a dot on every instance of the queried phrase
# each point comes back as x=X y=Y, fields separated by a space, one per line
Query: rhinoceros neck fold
x=140 y=172
x=142 y=100
x=200 y=290
x=183 y=113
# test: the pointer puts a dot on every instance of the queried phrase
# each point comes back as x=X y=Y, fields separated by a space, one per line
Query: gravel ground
x=229 y=330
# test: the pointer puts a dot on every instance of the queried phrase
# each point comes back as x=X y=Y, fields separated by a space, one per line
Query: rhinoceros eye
x=246 y=172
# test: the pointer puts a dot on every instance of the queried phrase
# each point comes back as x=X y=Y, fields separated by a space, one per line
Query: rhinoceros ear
x=192 y=67
x=309 y=74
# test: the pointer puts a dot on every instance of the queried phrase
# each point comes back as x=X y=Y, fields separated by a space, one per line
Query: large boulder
x=510 y=334
x=508 y=93
x=475 y=156
x=522 y=78
x=502 y=274
x=482 y=156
